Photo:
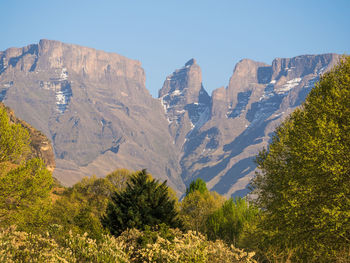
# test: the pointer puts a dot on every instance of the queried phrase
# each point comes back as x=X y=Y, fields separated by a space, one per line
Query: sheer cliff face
x=186 y=103
x=93 y=105
x=244 y=116
x=95 y=108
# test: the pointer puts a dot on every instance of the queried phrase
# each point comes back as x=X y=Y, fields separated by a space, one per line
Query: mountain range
x=96 y=110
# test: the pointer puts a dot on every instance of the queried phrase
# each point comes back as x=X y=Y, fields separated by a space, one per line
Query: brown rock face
x=185 y=101
x=244 y=116
x=93 y=105
x=40 y=145
x=96 y=110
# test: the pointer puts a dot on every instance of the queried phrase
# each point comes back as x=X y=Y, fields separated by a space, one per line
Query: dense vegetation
x=304 y=184
x=25 y=184
x=170 y=245
x=80 y=207
x=301 y=213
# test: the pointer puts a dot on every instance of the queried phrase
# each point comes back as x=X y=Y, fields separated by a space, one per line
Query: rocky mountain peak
x=87 y=62
x=191 y=62
x=246 y=72
x=245 y=80
x=95 y=108
x=300 y=65
x=185 y=101
x=93 y=105
x=186 y=81
x=244 y=116
x=183 y=87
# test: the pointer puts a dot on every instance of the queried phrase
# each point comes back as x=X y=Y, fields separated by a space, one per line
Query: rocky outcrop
x=186 y=103
x=244 y=116
x=95 y=108
x=40 y=145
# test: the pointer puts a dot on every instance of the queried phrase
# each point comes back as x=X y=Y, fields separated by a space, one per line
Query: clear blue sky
x=164 y=34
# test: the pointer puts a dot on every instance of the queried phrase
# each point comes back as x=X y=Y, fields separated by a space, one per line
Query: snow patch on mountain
x=61 y=87
x=63 y=96
x=64 y=74
x=290 y=84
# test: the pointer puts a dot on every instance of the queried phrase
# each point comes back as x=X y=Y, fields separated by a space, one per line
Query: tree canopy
x=197 y=206
x=80 y=207
x=304 y=184
x=24 y=184
x=230 y=220
x=197 y=185
x=144 y=202
x=14 y=139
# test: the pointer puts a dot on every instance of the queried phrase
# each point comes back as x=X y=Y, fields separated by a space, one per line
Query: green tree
x=25 y=196
x=145 y=202
x=24 y=184
x=197 y=206
x=80 y=207
x=229 y=221
x=197 y=185
x=304 y=187
x=14 y=139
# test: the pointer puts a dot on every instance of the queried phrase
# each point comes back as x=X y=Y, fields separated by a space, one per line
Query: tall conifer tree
x=145 y=202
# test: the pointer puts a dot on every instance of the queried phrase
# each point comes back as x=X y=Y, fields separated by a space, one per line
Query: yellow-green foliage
x=232 y=220
x=17 y=246
x=24 y=184
x=177 y=246
x=80 y=207
x=197 y=206
x=24 y=196
x=14 y=139
x=304 y=186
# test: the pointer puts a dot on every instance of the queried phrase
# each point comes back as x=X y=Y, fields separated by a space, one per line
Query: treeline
x=123 y=217
x=300 y=211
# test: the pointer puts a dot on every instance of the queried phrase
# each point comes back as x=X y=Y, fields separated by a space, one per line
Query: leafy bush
x=161 y=244
x=17 y=246
x=85 y=249
x=172 y=245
